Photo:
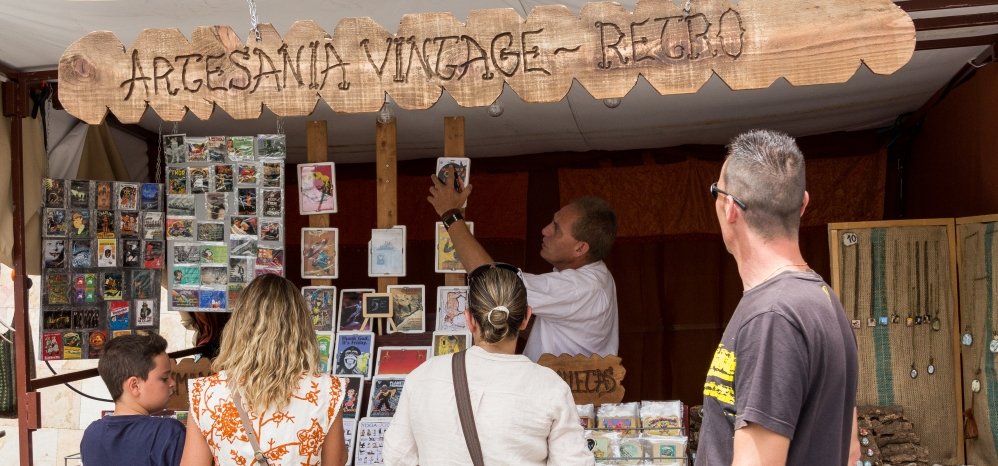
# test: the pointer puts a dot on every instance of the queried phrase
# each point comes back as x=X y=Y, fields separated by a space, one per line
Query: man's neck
x=759 y=260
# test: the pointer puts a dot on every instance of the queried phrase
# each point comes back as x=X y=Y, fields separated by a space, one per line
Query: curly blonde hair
x=269 y=343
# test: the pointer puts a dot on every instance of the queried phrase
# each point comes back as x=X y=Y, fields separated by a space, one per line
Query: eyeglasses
x=714 y=192
x=477 y=273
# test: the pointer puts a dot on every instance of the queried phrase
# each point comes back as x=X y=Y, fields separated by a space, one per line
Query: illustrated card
x=270 y=230
x=180 y=205
x=55 y=193
x=247 y=173
x=408 y=308
x=401 y=360
x=118 y=315
x=107 y=253
x=247 y=200
x=354 y=354
x=127 y=196
x=319 y=258
x=79 y=223
x=354 y=393
x=216 y=254
x=322 y=304
x=57 y=288
x=104 y=224
x=86 y=318
x=377 y=305
x=80 y=194
x=152 y=196
x=445 y=256
x=317 y=188
x=271 y=145
x=54 y=254
x=324 y=340
x=211 y=231
x=385 y=395
x=240 y=148
x=370 y=441
x=95 y=344
x=183 y=299
x=269 y=256
x=186 y=275
x=174 y=148
x=131 y=253
x=216 y=147
x=199 y=177
x=450 y=342
x=152 y=254
x=273 y=203
x=459 y=167
x=145 y=284
x=59 y=319
x=243 y=226
x=179 y=228
x=386 y=253
x=72 y=345
x=105 y=197
x=197 y=150
x=214 y=275
x=176 y=180
x=216 y=204
x=113 y=286
x=240 y=270
x=349 y=435
x=452 y=301
x=128 y=224
x=152 y=225
x=222 y=178
x=186 y=253
x=273 y=174
x=242 y=246
x=145 y=312
x=352 y=310
x=55 y=222
x=213 y=300
x=51 y=345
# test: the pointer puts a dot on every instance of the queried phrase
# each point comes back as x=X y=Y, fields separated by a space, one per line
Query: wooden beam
x=317 y=150
x=955 y=42
x=454 y=147
x=928 y=5
x=952 y=22
x=88 y=373
x=386 y=164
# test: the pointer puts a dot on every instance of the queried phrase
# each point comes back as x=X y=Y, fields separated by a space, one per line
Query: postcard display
x=224 y=216
x=102 y=254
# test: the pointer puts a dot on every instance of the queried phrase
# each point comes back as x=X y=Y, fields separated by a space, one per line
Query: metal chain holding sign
x=253 y=19
x=280 y=125
x=158 y=176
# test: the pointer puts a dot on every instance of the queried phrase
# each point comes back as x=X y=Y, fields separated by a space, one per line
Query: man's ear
x=803 y=205
x=581 y=249
x=731 y=210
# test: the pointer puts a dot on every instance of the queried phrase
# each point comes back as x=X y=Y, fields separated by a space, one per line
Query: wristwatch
x=450 y=217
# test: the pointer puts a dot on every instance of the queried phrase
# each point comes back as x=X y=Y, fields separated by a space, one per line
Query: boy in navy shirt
x=136 y=370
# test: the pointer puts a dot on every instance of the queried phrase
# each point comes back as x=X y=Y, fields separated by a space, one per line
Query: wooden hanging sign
x=748 y=43
x=593 y=379
x=183 y=371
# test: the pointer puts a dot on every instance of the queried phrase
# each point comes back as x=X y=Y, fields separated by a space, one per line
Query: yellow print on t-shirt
x=720 y=377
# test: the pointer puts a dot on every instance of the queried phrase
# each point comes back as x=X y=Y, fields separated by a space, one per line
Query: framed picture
x=385 y=395
x=319 y=258
x=386 y=252
x=377 y=305
x=408 y=308
x=322 y=304
x=452 y=301
x=354 y=354
x=354 y=393
x=459 y=166
x=324 y=340
x=401 y=360
x=317 y=188
x=450 y=342
x=352 y=310
x=444 y=255
x=349 y=435
x=370 y=441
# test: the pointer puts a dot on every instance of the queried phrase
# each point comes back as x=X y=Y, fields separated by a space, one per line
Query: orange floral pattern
x=292 y=436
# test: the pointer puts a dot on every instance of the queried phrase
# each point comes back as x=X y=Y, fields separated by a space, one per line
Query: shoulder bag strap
x=460 y=374
x=258 y=455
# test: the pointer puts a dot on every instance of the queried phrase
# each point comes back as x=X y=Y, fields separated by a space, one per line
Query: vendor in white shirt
x=576 y=304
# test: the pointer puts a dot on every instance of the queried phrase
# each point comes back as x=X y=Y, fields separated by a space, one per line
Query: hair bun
x=499 y=321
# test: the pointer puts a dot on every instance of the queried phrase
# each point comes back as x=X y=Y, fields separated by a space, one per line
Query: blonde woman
x=269 y=358
x=524 y=413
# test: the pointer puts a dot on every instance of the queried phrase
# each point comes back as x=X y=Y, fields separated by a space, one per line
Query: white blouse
x=524 y=413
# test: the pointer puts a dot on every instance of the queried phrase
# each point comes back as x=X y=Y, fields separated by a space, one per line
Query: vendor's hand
x=444 y=197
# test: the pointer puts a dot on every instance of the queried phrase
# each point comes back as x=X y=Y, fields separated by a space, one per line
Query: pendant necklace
x=936 y=323
x=968 y=336
x=931 y=369
x=895 y=289
x=913 y=289
x=855 y=290
x=914 y=371
x=926 y=317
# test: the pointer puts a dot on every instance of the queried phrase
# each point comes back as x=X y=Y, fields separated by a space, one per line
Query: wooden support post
x=316 y=147
x=386 y=162
x=454 y=147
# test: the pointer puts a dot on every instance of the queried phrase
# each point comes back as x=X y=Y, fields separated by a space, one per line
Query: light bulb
x=495 y=109
x=611 y=102
x=386 y=114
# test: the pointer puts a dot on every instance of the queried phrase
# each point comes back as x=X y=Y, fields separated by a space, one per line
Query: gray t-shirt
x=787 y=362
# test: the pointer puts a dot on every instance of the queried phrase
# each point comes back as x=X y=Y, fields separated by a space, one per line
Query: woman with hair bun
x=524 y=413
x=267 y=366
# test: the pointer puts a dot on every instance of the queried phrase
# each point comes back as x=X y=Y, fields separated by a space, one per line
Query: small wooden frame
x=377 y=306
x=593 y=379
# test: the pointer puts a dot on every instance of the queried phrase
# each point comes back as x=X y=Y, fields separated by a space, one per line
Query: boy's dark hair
x=127 y=356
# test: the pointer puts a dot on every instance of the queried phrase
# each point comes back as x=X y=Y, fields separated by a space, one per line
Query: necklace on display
x=913 y=288
x=895 y=281
x=931 y=369
x=937 y=324
x=855 y=289
x=967 y=338
x=926 y=318
x=914 y=370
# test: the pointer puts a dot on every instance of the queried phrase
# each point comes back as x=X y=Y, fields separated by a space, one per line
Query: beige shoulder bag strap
x=258 y=455
x=460 y=374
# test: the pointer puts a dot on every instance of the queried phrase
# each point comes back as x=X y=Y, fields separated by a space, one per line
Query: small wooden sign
x=184 y=370
x=593 y=379
x=749 y=44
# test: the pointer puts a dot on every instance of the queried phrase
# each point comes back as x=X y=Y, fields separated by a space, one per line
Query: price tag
x=849 y=238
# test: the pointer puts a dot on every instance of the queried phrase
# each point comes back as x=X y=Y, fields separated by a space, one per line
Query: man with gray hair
x=781 y=388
